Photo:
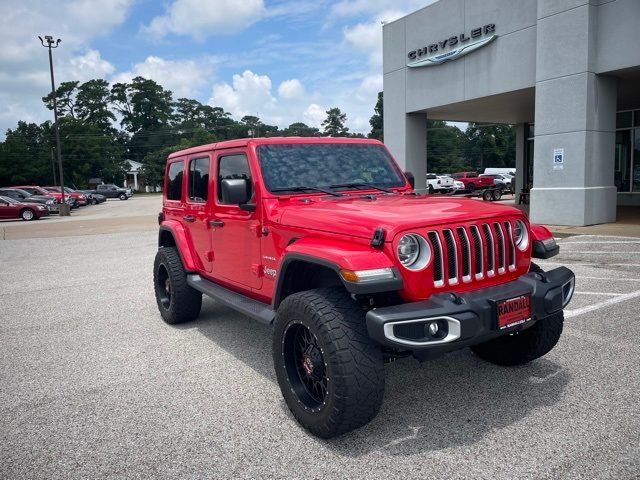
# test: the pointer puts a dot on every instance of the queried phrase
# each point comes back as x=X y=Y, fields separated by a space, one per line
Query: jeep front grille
x=473 y=252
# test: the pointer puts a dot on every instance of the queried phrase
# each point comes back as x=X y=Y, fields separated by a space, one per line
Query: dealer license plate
x=513 y=311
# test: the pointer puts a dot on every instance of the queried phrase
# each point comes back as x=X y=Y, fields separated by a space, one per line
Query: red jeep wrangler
x=324 y=239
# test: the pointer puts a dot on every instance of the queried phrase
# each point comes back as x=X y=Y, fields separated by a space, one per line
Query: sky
x=282 y=60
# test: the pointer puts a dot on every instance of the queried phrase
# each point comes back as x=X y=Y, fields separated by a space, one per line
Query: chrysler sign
x=452 y=47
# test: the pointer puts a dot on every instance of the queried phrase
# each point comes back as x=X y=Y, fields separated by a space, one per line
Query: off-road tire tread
x=185 y=301
x=356 y=360
x=527 y=345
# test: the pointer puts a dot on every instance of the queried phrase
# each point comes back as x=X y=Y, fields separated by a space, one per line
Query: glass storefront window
x=623 y=119
x=636 y=160
x=636 y=118
x=623 y=160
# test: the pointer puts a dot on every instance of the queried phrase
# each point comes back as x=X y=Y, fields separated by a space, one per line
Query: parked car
x=349 y=272
x=472 y=181
x=10 y=208
x=25 y=197
x=113 y=191
x=79 y=197
x=36 y=190
x=500 y=179
x=94 y=198
x=439 y=183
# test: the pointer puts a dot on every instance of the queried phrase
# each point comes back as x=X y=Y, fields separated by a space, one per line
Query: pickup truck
x=326 y=241
x=439 y=183
x=473 y=181
x=113 y=191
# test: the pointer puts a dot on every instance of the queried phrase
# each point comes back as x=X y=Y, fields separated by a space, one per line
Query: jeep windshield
x=327 y=166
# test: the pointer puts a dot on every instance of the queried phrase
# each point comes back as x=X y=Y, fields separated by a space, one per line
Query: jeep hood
x=359 y=216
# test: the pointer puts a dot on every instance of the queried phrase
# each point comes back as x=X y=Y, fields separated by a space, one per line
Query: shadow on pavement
x=448 y=402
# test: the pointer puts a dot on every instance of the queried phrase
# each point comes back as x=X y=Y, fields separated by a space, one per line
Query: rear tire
x=330 y=372
x=430 y=189
x=471 y=187
x=526 y=345
x=177 y=301
x=487 y=196
x=497 y=194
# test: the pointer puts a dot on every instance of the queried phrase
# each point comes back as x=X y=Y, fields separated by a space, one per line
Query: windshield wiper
x=361 y=184
x=303 y=188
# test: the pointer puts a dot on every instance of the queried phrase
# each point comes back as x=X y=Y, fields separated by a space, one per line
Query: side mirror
x=411 y=179
x=235 y=191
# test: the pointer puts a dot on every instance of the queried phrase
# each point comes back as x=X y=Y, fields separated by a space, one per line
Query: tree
x=25 y=156
x=300 y=129
x=65 y=99
x=444 y=148
x=143 y=104
x=92 y=104
x=377 y=120
x=333 y=125
x=491 y=145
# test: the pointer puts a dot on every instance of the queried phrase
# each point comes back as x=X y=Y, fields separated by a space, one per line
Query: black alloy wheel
x=305 y=365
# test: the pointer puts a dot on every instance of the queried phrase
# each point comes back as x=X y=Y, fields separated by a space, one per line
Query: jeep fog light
x=366 y=276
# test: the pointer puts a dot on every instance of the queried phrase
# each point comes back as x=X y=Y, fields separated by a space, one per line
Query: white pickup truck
x=439 y=183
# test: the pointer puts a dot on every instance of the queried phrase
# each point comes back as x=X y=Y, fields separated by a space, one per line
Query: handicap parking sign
x=558 y=158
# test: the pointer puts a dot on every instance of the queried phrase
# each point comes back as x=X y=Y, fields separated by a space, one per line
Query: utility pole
x=65 y=209
x=53 y=167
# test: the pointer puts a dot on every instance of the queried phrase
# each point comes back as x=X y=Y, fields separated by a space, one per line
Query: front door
x=197 y=207
x=235 y=232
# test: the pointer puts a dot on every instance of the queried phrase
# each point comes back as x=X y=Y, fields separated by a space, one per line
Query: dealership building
x=565 y=72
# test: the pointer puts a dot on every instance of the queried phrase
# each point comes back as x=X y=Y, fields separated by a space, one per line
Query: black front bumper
x=470 y=317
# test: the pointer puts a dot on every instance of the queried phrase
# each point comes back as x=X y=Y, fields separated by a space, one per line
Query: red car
x=10 y=208
x=473 y=181
x=36 y=190
x=326 y=240
x=79 y=198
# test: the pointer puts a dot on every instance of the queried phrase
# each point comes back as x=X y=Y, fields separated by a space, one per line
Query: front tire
x=123 y=196
x=526 y=345
x=330 y=372
x=177 y=301
x=27 y=214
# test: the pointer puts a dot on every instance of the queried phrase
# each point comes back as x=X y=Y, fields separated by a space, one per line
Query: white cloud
x=291 y=89
x=250 y=94
x=351 y=8
x=203 y=18
x=185 y=78
x=24 y=67
x=367 y=37
x=314 y=115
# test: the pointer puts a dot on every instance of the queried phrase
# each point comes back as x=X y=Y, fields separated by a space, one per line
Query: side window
x=174 y=181
x=233 y=166
x=198 y=179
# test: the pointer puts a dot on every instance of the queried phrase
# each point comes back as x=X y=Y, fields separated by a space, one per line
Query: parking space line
x=599 y=305
x=602 y=252
x=599 y=265
x=600 y=293
x=598 y=242
x=618 y=279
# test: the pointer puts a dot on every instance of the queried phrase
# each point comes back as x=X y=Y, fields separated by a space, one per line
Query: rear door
x=235 y=232
x=197 y=207
x=6 y=209
x=173 y=203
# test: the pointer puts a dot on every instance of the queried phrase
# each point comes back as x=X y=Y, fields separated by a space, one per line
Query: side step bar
x=259 y=311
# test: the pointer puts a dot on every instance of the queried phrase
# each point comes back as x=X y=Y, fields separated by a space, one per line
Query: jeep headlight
x=413 y=251
x=521 y=235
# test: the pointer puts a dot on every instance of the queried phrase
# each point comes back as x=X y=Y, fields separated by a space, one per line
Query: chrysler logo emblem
x=452 y=47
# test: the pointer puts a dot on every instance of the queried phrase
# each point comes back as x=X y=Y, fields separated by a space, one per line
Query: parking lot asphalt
x=94 y=384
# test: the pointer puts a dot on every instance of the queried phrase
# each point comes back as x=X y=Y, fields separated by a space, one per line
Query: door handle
x=189 y=218
x=216 y=223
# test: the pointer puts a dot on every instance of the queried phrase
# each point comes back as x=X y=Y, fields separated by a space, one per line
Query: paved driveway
x=94 y=385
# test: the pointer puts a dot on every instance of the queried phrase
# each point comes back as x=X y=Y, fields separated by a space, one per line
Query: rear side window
x=199 y=179
x=174 y=181
x=233 y=166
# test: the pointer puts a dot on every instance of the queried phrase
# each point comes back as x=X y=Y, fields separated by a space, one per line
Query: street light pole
x=53 y=168
x=64 y=210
